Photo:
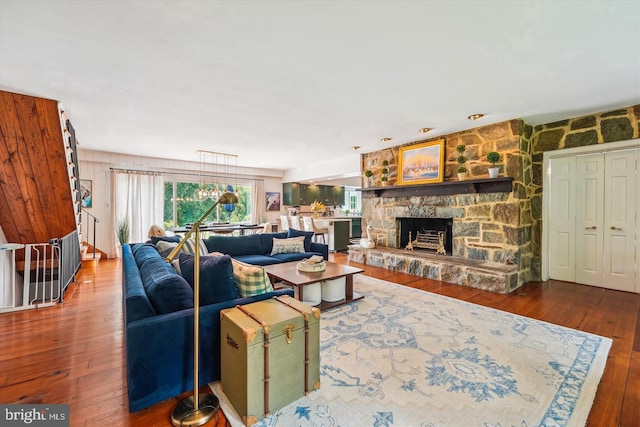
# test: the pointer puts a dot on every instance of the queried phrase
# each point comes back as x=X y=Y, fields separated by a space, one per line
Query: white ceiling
x=287 y=84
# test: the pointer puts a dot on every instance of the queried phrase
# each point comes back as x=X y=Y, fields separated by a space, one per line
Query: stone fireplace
x=480 y=234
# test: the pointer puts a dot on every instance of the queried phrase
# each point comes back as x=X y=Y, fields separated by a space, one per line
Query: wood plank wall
x=35 y=199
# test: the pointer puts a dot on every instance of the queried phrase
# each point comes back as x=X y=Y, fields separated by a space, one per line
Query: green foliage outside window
x=189 y=209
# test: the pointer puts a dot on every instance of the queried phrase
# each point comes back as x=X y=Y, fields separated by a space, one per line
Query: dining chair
x=307 y=225
x=284 y=221
x=294 y=222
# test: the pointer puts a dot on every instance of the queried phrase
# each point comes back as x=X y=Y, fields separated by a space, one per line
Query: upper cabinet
x=295 y=194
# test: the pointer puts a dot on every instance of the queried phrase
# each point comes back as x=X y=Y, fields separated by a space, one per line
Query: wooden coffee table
x=288 y=273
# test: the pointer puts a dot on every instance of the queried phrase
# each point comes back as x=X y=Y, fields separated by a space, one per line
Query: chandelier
x=218 y=171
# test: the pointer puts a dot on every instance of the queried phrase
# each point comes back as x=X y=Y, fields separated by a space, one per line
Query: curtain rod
x=187 y=174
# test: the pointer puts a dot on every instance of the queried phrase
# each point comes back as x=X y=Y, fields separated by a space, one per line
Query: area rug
x=405 y=357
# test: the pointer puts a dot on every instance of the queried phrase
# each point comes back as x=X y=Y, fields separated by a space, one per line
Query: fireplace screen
x=428 y=234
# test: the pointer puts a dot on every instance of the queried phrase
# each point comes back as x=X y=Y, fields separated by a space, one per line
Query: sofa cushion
x=216 y=277
x=250 y=279
x=288 y=246
x=165 y=288
x=296 y=256
x=235 y=245
x=308 y=235
x=170 y=293
x=144 y=251
x=257 y=259
x=137 y=302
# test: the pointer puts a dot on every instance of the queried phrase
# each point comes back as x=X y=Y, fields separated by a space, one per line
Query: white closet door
x=589 y=218
x=562 y=225
x=620 y=199
x=637 y=287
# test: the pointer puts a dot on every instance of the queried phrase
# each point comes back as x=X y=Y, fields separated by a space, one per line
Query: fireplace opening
x=427 y=234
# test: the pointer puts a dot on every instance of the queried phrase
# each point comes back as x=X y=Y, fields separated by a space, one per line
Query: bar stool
x=310 y=225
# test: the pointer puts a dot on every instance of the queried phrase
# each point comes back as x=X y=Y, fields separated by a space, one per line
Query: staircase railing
x=94 y=223
x=45 y=273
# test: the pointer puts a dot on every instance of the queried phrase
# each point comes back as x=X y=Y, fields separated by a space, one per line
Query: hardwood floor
x=73 y=353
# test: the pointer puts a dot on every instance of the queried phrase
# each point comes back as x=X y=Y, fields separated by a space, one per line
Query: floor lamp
x=198 y=409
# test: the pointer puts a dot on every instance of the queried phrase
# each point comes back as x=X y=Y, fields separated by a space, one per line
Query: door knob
x=616 y=228
x=593 y=227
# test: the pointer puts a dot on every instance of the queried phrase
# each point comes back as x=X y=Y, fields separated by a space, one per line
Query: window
x=181 y=207
x=354 y=201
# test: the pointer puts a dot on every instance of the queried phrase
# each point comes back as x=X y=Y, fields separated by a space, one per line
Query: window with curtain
x=138 y=201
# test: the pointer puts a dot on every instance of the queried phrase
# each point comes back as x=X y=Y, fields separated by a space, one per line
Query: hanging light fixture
x=216 y=166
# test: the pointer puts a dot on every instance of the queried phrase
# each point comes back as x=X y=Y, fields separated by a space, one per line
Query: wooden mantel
x=471 y=186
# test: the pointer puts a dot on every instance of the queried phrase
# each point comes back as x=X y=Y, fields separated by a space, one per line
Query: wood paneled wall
x=35 y=196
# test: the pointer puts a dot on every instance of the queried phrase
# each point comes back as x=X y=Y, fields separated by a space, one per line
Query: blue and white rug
x=404 y=357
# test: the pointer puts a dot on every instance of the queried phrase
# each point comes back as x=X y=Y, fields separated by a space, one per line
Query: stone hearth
x=485 y=275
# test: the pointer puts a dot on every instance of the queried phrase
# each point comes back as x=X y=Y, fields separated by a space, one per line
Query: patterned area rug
x=404 y=357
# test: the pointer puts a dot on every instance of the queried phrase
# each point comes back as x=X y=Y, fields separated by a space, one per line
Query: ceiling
x=291 y=84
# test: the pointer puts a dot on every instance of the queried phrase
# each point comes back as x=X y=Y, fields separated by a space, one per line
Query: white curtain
x=259 y=201
x=138 y=198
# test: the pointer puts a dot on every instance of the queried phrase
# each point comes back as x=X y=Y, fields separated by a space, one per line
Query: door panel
x=619 y=220
x=562 y=225
x=589 y=218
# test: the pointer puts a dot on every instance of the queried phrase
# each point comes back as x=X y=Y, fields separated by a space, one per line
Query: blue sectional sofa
x=256 y=248
x=158 y=326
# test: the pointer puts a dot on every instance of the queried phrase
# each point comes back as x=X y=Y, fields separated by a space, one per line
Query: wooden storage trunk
x=270 y=355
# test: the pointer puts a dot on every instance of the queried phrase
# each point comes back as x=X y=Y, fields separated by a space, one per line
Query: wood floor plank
x=74 y=353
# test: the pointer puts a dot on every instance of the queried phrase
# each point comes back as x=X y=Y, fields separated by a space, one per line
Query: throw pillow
x=251 y=279
x=216 y=277
x=190 y=246
x=288 y=246
x=156 y=239
x=308 y=235
x=165 y=247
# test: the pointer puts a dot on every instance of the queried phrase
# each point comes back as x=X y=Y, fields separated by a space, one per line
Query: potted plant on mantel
x=492 y=158
x=385 y=172
x=369 y=174
x=463 y=172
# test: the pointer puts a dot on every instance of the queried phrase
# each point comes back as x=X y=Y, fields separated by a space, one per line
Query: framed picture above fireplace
x=421 y=163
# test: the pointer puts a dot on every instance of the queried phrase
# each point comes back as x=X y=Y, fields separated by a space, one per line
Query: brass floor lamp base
x=185 y=415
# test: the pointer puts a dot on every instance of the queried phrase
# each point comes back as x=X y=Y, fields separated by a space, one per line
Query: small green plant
x=368 y=173
x=385 y=170
x=493 y=157
x=122 y=230
x=461 y=159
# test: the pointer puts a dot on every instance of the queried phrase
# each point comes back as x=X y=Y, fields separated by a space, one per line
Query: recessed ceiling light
x=425 y=130
x=385 y=139
x=356 y=147
x=475 y=116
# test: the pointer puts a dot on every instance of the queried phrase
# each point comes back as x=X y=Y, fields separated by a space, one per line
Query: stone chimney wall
x=498 y=227
x=488 y=226
x=610 y=126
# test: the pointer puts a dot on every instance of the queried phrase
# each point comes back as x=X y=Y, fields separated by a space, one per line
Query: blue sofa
x=158 y=326
x=256 y=248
